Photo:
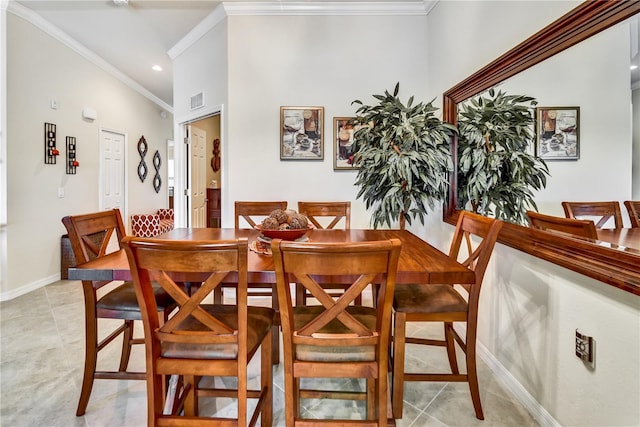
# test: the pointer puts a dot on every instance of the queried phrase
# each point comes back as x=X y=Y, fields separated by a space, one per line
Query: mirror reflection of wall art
x=301 y=133
x=558 y=133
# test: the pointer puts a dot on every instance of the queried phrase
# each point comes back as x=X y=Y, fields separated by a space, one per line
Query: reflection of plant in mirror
x=403 y=158
x=496 y=173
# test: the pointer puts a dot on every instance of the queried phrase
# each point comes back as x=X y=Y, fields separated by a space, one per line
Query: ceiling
x=134 y=35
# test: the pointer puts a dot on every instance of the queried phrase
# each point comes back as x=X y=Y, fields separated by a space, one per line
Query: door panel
x=112 y=192
x=198 y=177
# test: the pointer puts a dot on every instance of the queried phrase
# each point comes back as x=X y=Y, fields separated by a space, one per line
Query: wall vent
x=197 y=101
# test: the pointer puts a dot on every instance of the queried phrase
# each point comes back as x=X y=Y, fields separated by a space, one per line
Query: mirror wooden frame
x=615 y=266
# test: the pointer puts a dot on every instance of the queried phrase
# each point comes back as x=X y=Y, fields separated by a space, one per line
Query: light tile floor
x=42 y=356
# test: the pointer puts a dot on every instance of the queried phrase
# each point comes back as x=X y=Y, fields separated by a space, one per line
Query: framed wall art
x=558 y=133
x=301 y=133
x=343 y=134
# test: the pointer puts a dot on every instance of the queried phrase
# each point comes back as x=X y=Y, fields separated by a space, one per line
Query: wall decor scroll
x=72 y=162
x=142 y=166
x=50 y=150
x=215 y=160
x=156 y=164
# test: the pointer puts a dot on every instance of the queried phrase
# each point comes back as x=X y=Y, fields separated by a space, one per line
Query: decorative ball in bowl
x=288 y=234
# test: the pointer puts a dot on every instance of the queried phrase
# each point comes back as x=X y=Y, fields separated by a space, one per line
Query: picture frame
x=301 y=133
x=343 y=132
x=558 y=133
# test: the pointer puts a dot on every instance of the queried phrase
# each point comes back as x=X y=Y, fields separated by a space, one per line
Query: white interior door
x=112 y=171
x=198 y=176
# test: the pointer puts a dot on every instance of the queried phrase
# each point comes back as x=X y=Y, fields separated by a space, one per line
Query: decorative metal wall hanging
x=72 y=163
x=215 y=160
x=156 y=164
x=50 y=150
x=142 y=166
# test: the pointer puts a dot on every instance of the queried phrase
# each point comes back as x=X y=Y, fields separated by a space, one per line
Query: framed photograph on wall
x=301 y=133
x=343 y=133
x=558 y=133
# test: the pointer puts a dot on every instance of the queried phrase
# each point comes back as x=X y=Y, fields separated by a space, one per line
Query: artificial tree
x=497 y=173
x=403 y=157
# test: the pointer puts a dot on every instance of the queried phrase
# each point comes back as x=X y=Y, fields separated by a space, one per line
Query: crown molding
x=208 y=23
x=329 y=8
x=286 y=8
x=55 y=32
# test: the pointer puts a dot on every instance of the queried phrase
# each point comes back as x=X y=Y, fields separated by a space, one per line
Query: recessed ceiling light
x=156 y=68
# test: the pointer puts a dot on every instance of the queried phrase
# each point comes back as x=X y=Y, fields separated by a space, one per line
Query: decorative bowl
x=290 y=234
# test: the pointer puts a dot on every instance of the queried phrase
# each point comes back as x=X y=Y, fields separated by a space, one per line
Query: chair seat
x=259 y=321
x=428 y=299
x=123 y=300
x=337 y=353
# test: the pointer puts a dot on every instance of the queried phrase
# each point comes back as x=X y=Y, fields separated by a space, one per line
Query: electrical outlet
x=585 y=348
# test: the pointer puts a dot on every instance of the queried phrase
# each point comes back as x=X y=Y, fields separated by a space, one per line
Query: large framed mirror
x=609 y=263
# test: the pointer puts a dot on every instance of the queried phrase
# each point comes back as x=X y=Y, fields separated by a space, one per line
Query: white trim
x=208 y=23
x=23 y=290
x=328 y=8
x=55 y=32
x=536 y=410
x=422 y=7
x=3 y=148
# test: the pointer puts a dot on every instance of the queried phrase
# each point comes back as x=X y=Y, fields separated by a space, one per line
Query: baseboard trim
x=14 y=293
x=536 y=410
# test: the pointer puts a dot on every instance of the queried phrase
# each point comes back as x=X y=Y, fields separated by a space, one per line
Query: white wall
x=276 y=61
x=530 y=308
x=40 y=68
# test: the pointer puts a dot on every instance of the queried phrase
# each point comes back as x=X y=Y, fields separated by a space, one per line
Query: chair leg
x=301 y=295
x=266 y=380
x=372 y=397
x=291 y=402
x=126 y=345
x=451 y=347
x=397 y=389
x=275 y=329
x=472 y=375
x=90 y=352
x=191 y=401
x=218 y=293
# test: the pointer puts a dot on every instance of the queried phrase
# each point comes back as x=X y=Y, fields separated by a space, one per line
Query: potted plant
x=403 y=155
x=496 y=171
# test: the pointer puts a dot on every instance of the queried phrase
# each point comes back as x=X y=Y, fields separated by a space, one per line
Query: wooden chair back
x=254 y=212
x=474 y=253
x=633 y=208
x=199 y=339
x=91 y=234
x=584 y=228
x=336 y=339
x=336 y=211
x=95 y=235
x=602 y=212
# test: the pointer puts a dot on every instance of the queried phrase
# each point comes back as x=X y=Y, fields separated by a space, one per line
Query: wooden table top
x=621 y=238
x=419 y=261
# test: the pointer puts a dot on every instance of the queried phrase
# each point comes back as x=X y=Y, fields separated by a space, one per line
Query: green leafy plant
x=496 y=172
x=404 y=157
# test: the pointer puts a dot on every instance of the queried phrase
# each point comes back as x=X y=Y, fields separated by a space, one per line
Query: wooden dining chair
x=584 y=228
x=250 y=214
x=93 y=236
x=633 y=208
x=336 y=339
x=447 y=304
x=325 y=215
x=602 y=212
x=200 y=339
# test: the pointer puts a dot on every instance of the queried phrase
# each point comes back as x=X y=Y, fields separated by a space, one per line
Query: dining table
x=419 y=261
x=621 y=238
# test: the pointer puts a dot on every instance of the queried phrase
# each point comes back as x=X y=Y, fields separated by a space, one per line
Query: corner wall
x=40 y=68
